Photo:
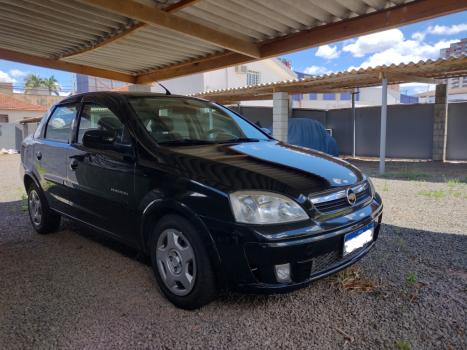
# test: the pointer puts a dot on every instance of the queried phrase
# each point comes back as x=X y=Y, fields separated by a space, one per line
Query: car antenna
x=167 y=92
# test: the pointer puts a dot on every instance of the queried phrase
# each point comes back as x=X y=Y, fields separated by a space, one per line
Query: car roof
x=124 y=94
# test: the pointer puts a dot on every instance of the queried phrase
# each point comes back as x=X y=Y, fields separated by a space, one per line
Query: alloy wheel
x=35 y=207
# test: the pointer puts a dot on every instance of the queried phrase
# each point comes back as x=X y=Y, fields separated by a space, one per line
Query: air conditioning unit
x=241 y=69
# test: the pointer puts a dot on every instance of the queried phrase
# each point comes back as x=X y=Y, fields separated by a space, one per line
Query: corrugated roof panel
x=55 y=27
x=145 y=49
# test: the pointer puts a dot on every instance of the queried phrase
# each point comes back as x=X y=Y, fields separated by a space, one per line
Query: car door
x=102 y=180
x=50 y=156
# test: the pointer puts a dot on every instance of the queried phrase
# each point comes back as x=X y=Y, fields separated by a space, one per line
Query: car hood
x=264 y=165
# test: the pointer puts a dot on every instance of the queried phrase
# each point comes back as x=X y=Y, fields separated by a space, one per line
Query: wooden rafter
x=180 y=5
x=393 y=17
x=135 y=27
x=154 y=16
x=63 y=65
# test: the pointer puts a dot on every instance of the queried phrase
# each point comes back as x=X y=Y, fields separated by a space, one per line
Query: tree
x=34 y=83
x=52 y=85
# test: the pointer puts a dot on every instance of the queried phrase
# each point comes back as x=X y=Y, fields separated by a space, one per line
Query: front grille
x=324 y=261
x=337 y=200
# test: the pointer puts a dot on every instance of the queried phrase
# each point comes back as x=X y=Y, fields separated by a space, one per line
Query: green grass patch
x=411 y=279
x=24 y=202
x=403 y=345
x=433 y=194
x=407 y=175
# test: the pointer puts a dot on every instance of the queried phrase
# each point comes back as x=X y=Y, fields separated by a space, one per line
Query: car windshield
x=179 y=121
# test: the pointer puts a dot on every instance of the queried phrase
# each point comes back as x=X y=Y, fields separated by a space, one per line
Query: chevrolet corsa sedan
x=213 y=200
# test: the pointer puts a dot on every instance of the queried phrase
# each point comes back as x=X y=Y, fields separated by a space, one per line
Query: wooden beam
x=66 y=66
x=136 y=27
x=154 y=16
x=417 y=10
x=106 y=41
x=180 y=5
x=390 y=18
x=409 y=78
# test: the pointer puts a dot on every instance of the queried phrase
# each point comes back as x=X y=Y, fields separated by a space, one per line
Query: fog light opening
x=282 y=273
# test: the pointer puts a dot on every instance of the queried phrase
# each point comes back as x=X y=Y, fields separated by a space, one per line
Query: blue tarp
x=311 y=134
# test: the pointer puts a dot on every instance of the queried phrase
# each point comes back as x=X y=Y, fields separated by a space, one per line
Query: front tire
x=181 y=264
x=42 y=218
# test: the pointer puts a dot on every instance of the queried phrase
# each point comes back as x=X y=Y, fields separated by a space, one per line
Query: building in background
x=455 y=50
x=369 y=96
x=264 y=71
x=86 y=83
x=454 y=95
x=15 y=106
x=13 y=110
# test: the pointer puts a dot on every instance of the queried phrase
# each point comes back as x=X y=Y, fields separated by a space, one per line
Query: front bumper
x=249 y=255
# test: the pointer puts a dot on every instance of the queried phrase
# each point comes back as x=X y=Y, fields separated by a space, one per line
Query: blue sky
x=408 y=43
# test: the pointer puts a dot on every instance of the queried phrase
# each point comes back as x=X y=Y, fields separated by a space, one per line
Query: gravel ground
x=73 y=289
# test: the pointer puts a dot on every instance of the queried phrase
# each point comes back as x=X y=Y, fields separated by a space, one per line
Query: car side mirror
x=99 y=139
x=267 y=131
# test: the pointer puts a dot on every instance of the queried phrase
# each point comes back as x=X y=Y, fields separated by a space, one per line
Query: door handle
x=38 y=155
x=73 y=164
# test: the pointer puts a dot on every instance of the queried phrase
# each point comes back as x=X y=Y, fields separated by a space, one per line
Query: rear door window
x=60 y=123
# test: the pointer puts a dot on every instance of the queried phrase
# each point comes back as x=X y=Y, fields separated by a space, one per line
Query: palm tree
x=32 y=81
x=33 y=84
x=52 y=85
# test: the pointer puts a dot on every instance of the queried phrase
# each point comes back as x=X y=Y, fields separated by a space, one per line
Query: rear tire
x=181 y=264
x=43 y=219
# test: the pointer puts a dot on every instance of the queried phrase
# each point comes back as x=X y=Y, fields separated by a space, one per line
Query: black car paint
x=124 y=192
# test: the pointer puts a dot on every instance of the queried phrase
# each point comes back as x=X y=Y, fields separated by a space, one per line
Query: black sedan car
x=213 y=200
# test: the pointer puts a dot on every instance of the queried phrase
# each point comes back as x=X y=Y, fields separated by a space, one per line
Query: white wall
x=270 y=70
x=15 y=116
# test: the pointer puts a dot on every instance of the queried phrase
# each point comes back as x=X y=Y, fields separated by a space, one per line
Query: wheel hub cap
x=176 y=262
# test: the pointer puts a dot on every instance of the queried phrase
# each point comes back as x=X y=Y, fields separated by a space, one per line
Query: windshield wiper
x=186 y=142
x=240 y=139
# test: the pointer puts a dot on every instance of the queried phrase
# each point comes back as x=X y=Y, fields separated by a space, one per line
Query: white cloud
x=406 y=51
x=317 y=70
x=6 y=78
x=374 y=42
x=16 y=73
x=445 y=30
x=440 y=30
x=328 y=52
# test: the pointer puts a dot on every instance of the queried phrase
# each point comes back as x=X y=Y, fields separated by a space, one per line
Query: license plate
x=357 y=239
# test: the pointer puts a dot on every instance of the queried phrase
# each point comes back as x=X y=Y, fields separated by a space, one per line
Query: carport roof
x=423 y=71
x=140 y=41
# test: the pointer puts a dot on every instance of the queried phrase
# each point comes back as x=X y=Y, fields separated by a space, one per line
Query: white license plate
x=357 y=239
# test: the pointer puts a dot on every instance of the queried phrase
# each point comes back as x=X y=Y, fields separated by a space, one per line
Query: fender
x=30 y=174
x=155 y=204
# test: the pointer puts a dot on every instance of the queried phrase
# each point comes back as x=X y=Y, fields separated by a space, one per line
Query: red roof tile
x=12 y=103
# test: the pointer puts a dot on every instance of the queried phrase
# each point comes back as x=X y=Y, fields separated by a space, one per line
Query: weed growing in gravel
x=24 y=202
x=411 y=279
x=403 y=345
x=433 y=194
x=351 y=279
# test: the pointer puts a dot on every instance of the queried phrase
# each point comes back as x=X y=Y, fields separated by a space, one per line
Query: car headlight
x=257 y=207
